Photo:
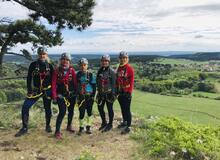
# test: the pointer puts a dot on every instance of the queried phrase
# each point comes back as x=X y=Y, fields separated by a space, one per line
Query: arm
x=74 y=81
x=93 y=83
x=131 y=72
x=29 y=78
x=113 y=81
x=54 y=84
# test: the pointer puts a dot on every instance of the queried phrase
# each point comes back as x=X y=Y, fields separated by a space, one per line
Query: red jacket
x=125 y=78
x=59 y=81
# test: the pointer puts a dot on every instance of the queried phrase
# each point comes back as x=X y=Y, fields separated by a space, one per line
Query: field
x=181 y=99
x=196 y=110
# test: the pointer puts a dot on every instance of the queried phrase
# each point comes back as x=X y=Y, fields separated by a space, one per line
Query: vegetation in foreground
x=172 y=138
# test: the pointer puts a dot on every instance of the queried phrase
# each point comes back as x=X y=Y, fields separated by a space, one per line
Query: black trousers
x=125 y=104
x=28 y=103
x=62 y=111
x=102 y=100
x=86 y=104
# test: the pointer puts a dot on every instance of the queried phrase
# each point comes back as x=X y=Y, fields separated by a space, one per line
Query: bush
x=182 y=84
x=205 y=87
x=3 y=97
x=15 y=95
x=86 y=155
x=172 y=138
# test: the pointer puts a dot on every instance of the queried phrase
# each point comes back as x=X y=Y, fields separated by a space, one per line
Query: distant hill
x=199 y=56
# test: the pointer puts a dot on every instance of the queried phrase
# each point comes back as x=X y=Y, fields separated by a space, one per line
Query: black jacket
x=39 y=71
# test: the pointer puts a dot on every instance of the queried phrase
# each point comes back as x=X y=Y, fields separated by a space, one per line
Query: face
x=42 y=56
x=65 y=62
x=83 y=67
x=104 y=63
x=123 y=60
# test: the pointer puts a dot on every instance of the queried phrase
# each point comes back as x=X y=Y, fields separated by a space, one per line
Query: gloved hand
x=128 y=95
x=54 y=101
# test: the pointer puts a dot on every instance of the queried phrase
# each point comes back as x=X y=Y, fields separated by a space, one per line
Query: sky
x=140 y=25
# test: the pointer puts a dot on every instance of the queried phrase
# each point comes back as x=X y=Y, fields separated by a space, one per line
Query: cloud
x=199 y=36
x=13 y=11
x=142 y=25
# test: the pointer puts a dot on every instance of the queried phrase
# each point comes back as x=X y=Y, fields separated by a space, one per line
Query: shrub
x=15 y=95
x=205 y=87
x=3 y=97
x=86 y=155
x=172 y=138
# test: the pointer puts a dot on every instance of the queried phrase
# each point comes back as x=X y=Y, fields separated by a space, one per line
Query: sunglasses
x=123 y=57
x=64 y=59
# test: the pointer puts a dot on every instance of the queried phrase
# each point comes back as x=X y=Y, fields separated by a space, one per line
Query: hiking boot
x=58 y=135
x=21 y=132
x=103 y=125
x=122 y=125
x=70 y=129
x=48 y=129
x=88 y=130
x=125 y=130
x=81 y=129
x=107 y=128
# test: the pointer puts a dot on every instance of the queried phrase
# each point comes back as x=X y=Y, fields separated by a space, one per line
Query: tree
x=26 y=31
x=63 y=13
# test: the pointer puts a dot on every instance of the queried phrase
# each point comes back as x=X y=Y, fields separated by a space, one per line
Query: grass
x=195 y=110
x=177 y=61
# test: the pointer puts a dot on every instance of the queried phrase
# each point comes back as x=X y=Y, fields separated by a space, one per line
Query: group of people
x=65 y=87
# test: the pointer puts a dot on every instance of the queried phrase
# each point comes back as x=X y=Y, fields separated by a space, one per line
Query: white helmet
x=66 y=55
x=106 y=57
x=83 y=61
x=123 y=54
x=41 y=50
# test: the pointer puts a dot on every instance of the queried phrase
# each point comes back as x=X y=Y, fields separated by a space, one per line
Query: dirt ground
x=39 y=145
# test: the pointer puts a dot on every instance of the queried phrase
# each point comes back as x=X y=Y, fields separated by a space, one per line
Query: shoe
x=103 y=125
x=107 y=128
x=48 y=129
x=70 y=129
x=125 y=130
x=21 y=132
x=122 y=125
x=58 y=135
x=81 y=129
x=88 y=130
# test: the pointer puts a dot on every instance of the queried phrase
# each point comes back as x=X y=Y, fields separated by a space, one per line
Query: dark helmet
x=105 y=57
x=123 y=54
x=41 y=50
x=66 y=56
x=83 y=61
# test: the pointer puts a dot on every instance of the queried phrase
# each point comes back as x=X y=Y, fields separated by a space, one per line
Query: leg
x=102 y=113
x=28 y=103
x=70 y=115
x=127 y=115
x=121 y=101
x=48 y=113
x=89 y=117
x=81 y=118
x=110 y=112
x=128 y=111
x=25 y=116
x=62 y=112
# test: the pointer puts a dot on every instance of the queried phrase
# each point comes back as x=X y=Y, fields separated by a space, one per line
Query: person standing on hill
x=106 y=79
x=64 y=90
x=124 y=86
x=86 y=93
x=38 y=85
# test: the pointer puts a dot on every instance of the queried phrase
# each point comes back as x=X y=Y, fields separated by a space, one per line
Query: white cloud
x=145 y=25
x=13 y=10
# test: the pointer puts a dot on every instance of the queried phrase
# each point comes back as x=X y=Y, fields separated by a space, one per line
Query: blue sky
x=141 y=25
